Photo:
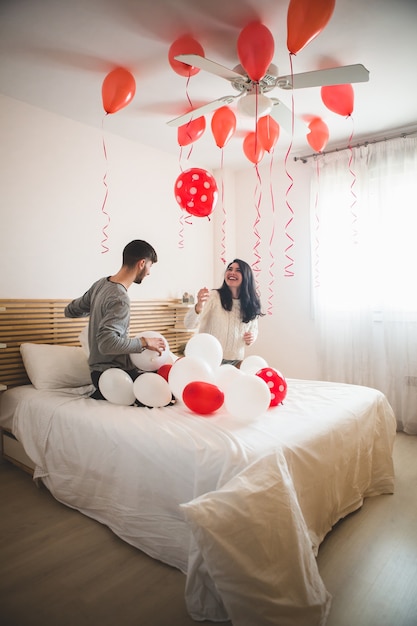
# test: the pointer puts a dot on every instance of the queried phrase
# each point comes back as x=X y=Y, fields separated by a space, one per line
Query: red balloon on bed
x=202 y=398
x=276 y=383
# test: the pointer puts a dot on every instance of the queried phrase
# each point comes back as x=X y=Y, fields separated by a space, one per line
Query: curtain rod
x=358 y=145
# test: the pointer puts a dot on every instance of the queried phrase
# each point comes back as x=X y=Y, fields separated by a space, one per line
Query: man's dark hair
x=137 y=250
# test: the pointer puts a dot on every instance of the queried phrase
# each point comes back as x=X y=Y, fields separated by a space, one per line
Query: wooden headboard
x=43 y=321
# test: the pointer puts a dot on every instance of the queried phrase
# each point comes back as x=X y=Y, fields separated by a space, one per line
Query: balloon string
x=223 y=237
x=271 y=241
x=186 y=91
x=181 y=232
x=103 y=209
x=287 y=270
x=317 y=229
x=258 y=197
x=354 y=196
x=189 y=122
x=184 y=219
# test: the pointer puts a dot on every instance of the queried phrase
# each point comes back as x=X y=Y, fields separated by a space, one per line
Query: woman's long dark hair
x=250 y=304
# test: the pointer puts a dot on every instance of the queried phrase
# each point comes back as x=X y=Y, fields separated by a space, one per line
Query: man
x=108 y=305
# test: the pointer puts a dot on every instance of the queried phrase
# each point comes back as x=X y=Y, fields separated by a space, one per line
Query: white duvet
x=240 y=506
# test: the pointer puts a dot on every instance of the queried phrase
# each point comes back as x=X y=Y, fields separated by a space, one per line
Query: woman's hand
x=202 y=296
x=248 y=338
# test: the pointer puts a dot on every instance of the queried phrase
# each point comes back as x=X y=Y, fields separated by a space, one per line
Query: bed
x=239 y=505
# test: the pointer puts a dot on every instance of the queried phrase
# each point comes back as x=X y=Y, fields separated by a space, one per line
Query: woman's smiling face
x=233 y=276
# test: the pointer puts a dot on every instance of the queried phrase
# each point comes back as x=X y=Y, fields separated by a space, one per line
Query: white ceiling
x=55 y=54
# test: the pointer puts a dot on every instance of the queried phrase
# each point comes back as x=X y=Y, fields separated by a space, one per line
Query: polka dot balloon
x=196 y=192
x=276 y=383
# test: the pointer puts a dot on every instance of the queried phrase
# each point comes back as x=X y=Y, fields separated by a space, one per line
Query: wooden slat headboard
x=43 y=321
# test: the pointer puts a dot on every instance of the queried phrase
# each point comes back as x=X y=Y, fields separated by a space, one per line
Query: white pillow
x=55 y=367
x=83 y=339
x=257 y=550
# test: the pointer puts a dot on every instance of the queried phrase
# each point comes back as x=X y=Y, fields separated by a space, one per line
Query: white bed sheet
x=328 y=446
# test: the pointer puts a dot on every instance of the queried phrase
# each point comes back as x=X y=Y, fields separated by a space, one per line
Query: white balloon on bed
x=117 y=386
x=207 y=347
x=149 y=360
x=225 y=375
x=187 y=370
x=247 y=397
x=252 y=364
x=152 y=390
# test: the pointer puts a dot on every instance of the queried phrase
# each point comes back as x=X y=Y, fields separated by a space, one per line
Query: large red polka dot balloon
x=276 y=383
x=196 y=192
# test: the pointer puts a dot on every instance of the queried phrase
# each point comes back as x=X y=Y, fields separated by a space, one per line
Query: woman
x=230 y=313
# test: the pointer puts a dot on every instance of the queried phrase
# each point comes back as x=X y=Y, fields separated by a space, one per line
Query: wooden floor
x=59 y=568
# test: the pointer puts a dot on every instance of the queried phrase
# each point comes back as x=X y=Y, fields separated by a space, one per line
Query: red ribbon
x=271 y=241
x=287 y=270
x=354 y=196
x=258 y=192
x=103 y=210
x=223 y=237
x=316 y=230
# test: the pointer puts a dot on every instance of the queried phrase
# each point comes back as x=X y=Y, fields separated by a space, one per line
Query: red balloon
x=276 y=383
x=338 y=98
x=164 y=370
x=184 y=45
x=223 y=126
x=305 y=20
x=196 y=192
x=318 y=135
x=191 y=131
x=118 y=89
x=255 y=47
x=202 y=398
x=268 y=132
x=253 y=148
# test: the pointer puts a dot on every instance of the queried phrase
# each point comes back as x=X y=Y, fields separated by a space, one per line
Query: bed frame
x=43 y=321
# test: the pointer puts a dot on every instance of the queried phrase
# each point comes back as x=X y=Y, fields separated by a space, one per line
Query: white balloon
x=187 y=370
x=247 y=397
x=149 y=360
x=207 y=347
x=117 y=386
x=152 y=390
x=225 y=375
x=252 y=364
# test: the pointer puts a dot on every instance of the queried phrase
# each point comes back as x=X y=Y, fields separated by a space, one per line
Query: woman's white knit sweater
x=226 y=326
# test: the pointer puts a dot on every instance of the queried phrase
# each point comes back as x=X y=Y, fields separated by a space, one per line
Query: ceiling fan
x=251 y=98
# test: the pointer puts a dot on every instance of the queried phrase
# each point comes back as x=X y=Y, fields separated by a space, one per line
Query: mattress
x=239 y=505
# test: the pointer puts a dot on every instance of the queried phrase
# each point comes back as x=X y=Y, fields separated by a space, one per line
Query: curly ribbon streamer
x=181 y=232
x=271 y=241
x=316 y=273
x=103 y=209
x=258 y=197
x=187 y=218
x=223 y=237
x=191 y=106
x=354 y=196
x=288 y=268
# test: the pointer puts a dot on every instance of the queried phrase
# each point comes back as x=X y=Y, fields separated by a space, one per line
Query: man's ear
x=141 y=264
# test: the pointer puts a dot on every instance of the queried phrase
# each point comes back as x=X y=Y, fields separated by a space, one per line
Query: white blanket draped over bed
x=240 y=506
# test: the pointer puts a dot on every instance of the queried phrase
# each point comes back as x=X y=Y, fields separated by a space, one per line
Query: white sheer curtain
x=364 y=269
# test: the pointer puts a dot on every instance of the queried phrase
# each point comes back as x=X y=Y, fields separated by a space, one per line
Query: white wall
x=287 y=335
x=52 y=192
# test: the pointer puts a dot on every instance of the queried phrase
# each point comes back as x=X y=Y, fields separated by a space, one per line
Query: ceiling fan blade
x=195 y=60
x=206 y=108
x=332 y=76
x=283 y=115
